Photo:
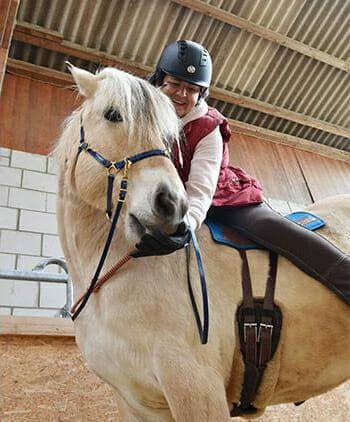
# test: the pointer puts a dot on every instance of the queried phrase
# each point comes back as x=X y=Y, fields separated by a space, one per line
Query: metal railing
x=38 y=274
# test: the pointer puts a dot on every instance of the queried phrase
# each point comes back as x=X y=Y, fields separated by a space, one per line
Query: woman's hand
x=159 y=243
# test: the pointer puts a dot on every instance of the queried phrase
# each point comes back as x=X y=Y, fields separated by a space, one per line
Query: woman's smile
x=183 y=95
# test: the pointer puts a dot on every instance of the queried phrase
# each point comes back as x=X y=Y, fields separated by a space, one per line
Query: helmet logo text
x=191 y=69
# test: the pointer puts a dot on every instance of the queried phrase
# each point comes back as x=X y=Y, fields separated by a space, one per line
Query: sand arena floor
x=46 y=379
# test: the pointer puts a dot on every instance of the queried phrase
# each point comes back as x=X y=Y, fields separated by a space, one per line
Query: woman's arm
x=203 y=177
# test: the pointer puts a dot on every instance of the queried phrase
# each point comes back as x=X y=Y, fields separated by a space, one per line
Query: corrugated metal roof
x=244 y=63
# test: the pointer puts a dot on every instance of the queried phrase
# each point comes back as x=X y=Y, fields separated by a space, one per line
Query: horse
x=138 y=333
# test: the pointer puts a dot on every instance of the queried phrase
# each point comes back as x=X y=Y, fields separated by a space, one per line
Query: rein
x=203 y=328
x=113 y=168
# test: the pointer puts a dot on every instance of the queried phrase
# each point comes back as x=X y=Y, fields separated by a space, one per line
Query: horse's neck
x=86 y=232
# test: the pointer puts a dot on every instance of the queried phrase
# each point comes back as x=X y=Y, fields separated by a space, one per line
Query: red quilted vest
x=235 y=187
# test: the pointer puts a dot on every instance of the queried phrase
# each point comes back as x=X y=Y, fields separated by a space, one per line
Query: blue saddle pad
x=227 y=236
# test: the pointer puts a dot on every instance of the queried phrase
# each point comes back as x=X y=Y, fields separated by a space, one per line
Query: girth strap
x=266 y=323
x=259 y=327
x=250 y=328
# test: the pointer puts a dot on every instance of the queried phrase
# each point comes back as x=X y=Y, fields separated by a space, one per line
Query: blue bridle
x=114 y=167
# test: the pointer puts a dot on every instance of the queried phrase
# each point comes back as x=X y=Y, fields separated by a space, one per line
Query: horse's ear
x=86 y=81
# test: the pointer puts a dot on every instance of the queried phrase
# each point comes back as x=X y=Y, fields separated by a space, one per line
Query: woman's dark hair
x=156 y=78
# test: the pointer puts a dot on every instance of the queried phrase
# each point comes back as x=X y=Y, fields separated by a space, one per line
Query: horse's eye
x=113 y=115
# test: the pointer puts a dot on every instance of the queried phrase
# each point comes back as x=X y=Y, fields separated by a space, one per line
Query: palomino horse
x=138 y=333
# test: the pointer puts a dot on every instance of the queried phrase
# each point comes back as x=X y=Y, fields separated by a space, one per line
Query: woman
x=228 y=194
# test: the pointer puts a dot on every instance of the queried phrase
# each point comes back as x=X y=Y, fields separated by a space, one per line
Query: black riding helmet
x=185 y=60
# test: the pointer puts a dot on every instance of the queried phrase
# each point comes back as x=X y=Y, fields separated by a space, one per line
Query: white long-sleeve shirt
x=205 y=169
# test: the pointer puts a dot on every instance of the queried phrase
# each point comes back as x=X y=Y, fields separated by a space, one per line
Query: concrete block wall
x=28 y=231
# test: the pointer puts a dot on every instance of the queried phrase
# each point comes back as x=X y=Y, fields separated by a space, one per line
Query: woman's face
x=183 y=95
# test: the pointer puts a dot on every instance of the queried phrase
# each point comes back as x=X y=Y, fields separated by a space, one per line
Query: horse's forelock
x=146 y=111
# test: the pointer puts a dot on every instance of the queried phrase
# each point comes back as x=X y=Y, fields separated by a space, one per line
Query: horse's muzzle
x=168 y=205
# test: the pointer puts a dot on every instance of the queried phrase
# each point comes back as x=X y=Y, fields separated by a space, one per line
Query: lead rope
x=113 y=167
x=116 y=267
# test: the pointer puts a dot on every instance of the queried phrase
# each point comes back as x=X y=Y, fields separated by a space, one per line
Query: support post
x=8 y=12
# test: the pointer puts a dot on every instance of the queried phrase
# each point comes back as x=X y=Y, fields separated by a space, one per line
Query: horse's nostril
x=165 y=203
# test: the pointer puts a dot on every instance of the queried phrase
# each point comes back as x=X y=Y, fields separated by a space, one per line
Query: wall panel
x=32 y=112
x=276 y=166
x=325 y=177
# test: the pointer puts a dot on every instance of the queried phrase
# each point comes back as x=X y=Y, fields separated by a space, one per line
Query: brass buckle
x=113 y=169
x=122 y=190
x=167 y=152
x=127 y=166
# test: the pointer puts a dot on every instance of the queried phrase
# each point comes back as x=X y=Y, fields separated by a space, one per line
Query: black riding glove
x=162 y=244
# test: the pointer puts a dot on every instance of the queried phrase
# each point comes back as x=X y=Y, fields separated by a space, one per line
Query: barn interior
x=281 y=77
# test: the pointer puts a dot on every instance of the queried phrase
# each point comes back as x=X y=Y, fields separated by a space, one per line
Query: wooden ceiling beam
x=262 y=32
x=8 y=12
x=51 y=40
x=39 y=73
x=273 y=110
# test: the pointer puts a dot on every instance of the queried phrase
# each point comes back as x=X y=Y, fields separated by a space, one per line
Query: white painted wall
x=28 y=232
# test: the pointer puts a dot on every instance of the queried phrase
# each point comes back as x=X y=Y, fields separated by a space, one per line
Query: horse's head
x=122 y=116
